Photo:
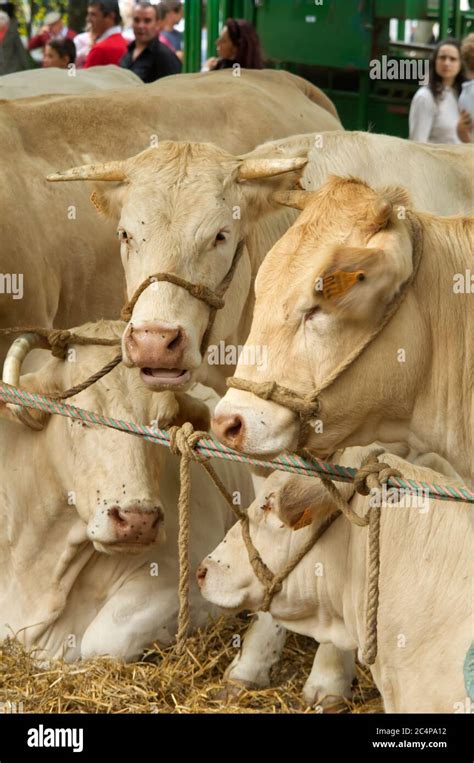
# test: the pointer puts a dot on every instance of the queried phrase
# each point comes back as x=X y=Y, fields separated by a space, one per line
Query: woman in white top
x=434 y=112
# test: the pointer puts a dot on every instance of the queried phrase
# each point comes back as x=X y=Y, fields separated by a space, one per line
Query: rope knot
x=375 y=472
x=183 y=441
x=58 y=340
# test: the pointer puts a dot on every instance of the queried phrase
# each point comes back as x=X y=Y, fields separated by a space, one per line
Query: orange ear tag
x=337 y=284
x=305 y=519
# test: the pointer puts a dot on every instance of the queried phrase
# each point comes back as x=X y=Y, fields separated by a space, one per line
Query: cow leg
x=261 y=649
x=331 y=676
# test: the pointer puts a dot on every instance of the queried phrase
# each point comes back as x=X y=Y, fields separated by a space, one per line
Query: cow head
x=183 y=209
x=281 y=519
x=112 y=480
x=320 y=292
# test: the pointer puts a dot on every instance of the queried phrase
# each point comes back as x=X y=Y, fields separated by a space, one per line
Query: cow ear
x=294 y=502
x=302 y=500
x=108 y=201
x=396 y=196
x=349 y=273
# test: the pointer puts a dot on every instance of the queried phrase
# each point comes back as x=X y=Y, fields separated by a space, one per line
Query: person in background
x=170 y=14
x=103 y=17
x=59 y=54
x=83 y=42
x=434 y=112
x=465 y=127
x=146 y=56
x=13 y=56
x=238 y=43
x=52 y=29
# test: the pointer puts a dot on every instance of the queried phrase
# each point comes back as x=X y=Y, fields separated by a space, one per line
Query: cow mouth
x=165 y=377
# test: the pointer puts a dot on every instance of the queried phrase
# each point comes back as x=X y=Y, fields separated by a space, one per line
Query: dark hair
x=107 y=7
x=247 y=42
x=64 y=48
x=145 y=5
x=436 y=82
x=170 y=6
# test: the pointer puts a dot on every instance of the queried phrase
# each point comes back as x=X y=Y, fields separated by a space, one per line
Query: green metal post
x=443 y=18
x=457 y=19
x=401 y=30
x=192 y=36
x=249 y=11
x=237 y=9
x=212 y=25
x=226 y=10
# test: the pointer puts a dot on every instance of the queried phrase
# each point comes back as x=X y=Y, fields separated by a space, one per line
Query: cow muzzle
x=158 y=350
x=127 y=527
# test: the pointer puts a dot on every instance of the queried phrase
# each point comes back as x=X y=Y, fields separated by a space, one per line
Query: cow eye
x=221 y=236
x=311 y=313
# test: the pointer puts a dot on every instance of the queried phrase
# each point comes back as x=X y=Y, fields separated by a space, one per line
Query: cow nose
x=134 y=524
x=229 y=430
x=201 y=574
x=153 y=345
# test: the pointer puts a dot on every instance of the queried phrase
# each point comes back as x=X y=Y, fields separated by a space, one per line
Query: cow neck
x=213 y=299
x=306 y=407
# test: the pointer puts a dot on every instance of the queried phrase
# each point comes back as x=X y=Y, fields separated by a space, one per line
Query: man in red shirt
x=103 y=16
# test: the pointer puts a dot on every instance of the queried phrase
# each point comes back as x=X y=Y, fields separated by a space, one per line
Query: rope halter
x=213 y=299
x=306 y=407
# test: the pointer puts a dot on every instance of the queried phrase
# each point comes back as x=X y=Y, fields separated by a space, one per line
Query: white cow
x=425 y=609
x=88 y=519
x=36 y=82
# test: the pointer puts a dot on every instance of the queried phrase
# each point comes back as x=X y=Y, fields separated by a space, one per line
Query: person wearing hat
x=52 y=29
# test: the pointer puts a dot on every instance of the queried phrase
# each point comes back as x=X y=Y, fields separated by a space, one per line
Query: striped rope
x=214 y=449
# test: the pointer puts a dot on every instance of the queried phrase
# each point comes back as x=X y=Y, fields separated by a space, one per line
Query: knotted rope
x=213 y=299
x=182 y=443
x=307 y=406
x=58 y=341
x=370 y=476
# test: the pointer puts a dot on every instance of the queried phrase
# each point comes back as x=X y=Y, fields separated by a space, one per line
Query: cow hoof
x=323 y=697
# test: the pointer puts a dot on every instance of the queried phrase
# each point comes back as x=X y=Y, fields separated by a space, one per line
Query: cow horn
x=17 y=353
x=104 y=171
x=295 y=199
x=252 y=169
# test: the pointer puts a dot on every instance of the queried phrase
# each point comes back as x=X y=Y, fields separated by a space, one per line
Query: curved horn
x=12 y=371
x=296 y=199
x=251 y=169
x=104 y=171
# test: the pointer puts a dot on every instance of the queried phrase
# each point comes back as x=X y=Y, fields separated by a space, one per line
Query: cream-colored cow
x=321 y=293
x=426 y=578
x=88 y=517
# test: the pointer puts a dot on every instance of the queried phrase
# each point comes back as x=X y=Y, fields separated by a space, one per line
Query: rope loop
x=183 y=441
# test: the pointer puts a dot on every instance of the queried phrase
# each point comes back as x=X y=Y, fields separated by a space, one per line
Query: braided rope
x=290 y=462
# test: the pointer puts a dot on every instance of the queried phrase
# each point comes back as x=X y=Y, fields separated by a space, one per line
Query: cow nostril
x=116 y=516
x=201 y=572
x=176 y=341
x=234 y=428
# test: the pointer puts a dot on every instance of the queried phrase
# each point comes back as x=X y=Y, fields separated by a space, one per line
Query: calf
x=426 y=580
